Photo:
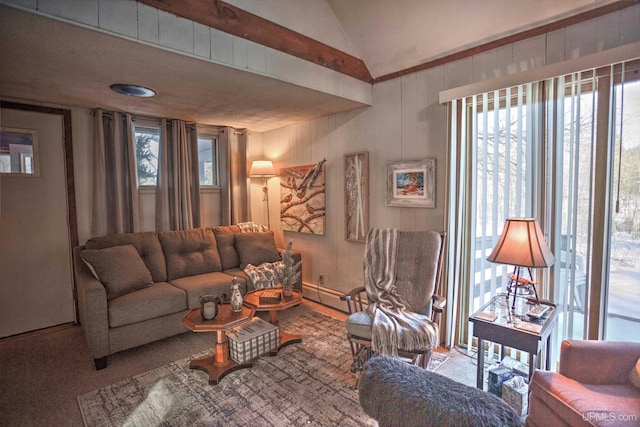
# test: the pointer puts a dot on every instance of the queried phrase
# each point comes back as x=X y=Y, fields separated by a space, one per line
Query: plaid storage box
x=252 y=340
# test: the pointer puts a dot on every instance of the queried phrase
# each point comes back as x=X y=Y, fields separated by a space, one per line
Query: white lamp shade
x=262 y=169
x=522 y=244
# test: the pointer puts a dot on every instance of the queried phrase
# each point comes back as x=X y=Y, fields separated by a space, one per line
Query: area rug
x=304 y=384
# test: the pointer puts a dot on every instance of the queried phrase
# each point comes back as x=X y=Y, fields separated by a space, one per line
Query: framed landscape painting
x=412 y=183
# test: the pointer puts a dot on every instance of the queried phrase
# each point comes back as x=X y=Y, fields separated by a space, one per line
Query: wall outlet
x=320 y=279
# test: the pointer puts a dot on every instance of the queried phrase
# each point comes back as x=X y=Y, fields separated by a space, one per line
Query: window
x=18 y=150
x=147 y=145
x=208 y=160
x=147 y=140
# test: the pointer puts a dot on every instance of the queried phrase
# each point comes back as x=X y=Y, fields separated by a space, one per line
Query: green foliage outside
x=146 y=160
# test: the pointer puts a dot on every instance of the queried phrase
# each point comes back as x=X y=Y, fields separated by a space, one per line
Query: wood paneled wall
x=405 y=123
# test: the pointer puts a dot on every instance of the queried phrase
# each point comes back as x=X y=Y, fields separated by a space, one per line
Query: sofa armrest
x=92 y=307
x=598 y=362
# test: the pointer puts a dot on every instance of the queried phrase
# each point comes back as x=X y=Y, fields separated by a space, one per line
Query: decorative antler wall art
x=356 y=196
x=302 y=205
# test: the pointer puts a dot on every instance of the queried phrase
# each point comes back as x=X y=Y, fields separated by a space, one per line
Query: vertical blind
x=532 y=151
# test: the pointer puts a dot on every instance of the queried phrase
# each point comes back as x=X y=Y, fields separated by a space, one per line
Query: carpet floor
x=304 y=384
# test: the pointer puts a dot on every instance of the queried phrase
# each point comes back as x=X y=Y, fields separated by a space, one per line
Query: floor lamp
x=263 y=169
x=522 y=245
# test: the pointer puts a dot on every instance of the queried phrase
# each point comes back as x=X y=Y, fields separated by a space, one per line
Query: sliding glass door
x=622 y=321
x=567 y=152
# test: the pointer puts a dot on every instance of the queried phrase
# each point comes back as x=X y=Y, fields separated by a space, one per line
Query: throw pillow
x=264 y=275
x=246 y=227
x=634 y=375
x=256 y=248
x=119 y=268
x=190 y=252
x=225 y=239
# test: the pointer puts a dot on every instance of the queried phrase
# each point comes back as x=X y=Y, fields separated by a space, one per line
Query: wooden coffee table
x=220 y=364
x=252 y=299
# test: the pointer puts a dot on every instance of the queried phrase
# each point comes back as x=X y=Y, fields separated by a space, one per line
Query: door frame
x=72 y=218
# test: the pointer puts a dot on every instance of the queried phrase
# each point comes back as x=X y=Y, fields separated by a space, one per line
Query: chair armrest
x=355 y=299
x=598 y=362
x=352 y=294
x=438 y=303
x=92 y=307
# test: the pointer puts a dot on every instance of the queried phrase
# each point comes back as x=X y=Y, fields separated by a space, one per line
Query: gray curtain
x=233 y=176
x=178 y=185
x=115 y=190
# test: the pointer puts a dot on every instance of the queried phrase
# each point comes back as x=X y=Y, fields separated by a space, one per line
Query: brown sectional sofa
x=135 y=288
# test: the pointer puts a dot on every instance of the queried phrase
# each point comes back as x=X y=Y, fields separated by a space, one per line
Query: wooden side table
x=220 y=364
x=513 y=330
x=252 y=299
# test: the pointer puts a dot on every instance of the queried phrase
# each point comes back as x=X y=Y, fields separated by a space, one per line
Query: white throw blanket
x=395 y=325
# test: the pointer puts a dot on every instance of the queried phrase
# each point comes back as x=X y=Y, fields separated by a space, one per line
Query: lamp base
x=518 y=282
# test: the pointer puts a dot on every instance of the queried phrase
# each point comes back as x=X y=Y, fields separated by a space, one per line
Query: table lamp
x=263 y=169
x=522 y=244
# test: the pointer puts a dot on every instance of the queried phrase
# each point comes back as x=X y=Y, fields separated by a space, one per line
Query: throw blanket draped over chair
x=394 y=324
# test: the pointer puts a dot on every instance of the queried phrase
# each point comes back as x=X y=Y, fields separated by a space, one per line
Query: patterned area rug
x=305 y=384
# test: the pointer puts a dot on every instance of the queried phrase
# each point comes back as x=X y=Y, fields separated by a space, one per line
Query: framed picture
x=412 y=183
x=302 y=207
x=356 y=196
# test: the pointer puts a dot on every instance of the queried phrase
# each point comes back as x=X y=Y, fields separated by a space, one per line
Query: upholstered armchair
x=418 y=271
x=593 y=387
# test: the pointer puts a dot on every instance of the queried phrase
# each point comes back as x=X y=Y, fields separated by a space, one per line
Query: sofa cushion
x=119 y=268
x=207 y=284
x=634 y=375
x=225 y=240
x=147 y=244
x=159 y=300
x=264 y=275
x=190 y=252
x=360 y=324
x=256 y=248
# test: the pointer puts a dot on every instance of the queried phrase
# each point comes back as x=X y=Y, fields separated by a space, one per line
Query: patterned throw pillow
x=247 y=227
x=264 y=275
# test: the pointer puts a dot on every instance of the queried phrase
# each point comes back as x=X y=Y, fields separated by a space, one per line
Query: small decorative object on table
x=209 y=306
x=270 y=297
x=236 y=296
x=289 y=273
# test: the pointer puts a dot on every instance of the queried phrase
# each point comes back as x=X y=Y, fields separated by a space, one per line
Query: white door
x=36 y=286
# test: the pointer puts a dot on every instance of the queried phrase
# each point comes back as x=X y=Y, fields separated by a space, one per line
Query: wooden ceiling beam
x=230 y=19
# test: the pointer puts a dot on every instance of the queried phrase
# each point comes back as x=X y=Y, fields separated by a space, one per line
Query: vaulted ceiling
x=46 y=60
